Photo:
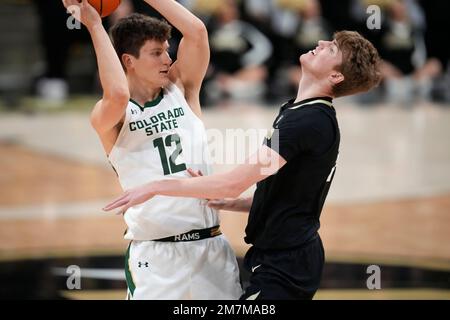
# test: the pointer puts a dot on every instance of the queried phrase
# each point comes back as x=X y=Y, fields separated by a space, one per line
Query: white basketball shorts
x=198 y=270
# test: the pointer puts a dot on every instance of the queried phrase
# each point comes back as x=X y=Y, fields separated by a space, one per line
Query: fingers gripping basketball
x=105 y=7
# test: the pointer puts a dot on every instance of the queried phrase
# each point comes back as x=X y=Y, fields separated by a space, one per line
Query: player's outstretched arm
x=193 y=52
x=238 y=204
x=230 y=184
x=110 y=110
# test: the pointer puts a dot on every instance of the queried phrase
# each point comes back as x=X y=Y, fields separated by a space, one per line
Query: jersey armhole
x=120 y=134
x=178 y=92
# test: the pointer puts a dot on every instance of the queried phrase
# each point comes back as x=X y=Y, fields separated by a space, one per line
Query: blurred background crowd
x=389 y=204
x=255 y=46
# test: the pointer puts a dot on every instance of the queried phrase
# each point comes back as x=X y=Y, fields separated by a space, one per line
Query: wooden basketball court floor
x=389 y=204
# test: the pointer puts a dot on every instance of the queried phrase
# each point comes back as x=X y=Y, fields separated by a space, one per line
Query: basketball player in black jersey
x=293 y=170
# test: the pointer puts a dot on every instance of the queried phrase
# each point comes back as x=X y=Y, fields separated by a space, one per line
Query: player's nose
x=167 y=59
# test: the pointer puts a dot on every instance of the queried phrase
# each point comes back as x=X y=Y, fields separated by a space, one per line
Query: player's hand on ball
x=83 y=12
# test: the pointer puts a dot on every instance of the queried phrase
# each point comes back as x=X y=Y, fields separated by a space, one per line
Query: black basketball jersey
x=286 y=205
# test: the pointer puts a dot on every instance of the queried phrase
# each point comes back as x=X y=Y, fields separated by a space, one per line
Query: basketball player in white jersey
x=149 y=124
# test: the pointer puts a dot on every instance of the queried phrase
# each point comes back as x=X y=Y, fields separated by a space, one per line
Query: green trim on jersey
x=328 y=103
x=152 y=103
x=129 y=278
x=131 y=100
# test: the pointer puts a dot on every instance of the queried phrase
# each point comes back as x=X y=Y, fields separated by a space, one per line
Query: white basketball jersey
x=160 y=140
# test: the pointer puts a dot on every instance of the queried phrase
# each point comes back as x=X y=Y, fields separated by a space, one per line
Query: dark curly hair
x=360 y=64
x=129 y=34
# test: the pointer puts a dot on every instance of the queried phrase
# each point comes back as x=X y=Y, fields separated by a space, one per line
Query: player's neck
x=141 y=92
x=311 y=88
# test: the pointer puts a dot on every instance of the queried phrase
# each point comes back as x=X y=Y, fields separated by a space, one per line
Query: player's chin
x=304 y=58
x=164 y=79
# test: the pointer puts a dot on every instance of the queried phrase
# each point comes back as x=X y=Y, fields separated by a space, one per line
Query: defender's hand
x=130 y=198
x=221 y=204
x=194 y=174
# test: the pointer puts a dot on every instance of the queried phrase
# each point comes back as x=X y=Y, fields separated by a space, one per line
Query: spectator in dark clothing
x=405 y=79
x=312 y=27
x=436 y=14
x=52 y=84
x=238 y=54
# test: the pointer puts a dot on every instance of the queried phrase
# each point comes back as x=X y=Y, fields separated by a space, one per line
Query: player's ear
x=336 y=77
x=127 y=61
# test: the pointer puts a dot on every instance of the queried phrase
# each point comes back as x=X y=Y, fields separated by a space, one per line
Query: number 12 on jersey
x=169 y=165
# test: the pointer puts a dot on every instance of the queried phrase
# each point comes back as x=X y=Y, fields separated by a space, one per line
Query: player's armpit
x=107 y=113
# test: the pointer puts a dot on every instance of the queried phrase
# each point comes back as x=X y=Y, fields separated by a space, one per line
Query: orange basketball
x=104 y=7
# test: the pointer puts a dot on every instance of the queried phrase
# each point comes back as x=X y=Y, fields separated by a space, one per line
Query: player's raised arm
x=193 y=52
x=110 y=110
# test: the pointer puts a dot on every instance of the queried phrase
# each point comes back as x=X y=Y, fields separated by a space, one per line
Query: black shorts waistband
x=193 y=235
